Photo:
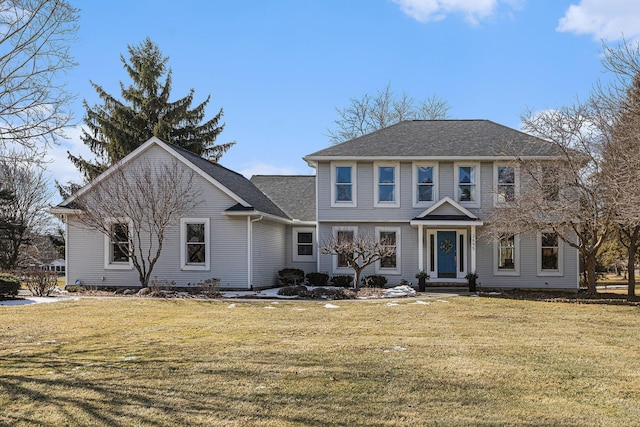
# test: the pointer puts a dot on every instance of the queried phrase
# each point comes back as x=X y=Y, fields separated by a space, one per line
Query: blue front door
x=447 y=254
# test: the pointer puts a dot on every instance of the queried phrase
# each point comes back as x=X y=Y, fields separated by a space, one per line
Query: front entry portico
x=446 y=241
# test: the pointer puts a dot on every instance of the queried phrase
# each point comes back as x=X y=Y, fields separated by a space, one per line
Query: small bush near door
x=317 y=279
x=374 y=281
x=342 y=281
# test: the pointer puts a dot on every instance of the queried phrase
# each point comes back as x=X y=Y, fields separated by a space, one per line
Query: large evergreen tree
x=117 y=127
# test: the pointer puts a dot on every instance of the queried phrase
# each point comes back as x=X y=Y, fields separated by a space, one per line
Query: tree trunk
x=631 y=267
x=590 y=267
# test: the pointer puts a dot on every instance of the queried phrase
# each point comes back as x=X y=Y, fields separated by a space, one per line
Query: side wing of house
x=219 y=238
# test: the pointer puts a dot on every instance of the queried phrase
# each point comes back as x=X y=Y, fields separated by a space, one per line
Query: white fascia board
x=445 y=223
x=314 y=159
x=258 y=214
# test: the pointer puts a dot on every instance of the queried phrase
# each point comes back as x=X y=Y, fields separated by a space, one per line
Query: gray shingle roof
x=294 y=194
x=235 y=182
x=441 y=138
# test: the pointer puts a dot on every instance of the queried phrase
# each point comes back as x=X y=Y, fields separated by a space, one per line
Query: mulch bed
x=581 y=297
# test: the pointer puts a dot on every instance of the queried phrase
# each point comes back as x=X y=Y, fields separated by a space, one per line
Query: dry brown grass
x=468 y=361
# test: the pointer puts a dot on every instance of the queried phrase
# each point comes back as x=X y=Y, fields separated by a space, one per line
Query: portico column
x=473 y=249
x=420 y=248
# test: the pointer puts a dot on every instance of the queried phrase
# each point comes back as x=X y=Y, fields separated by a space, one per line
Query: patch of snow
x=420 y=302
x=271 y=307
x=392 y=304
x=399 y=291
x=493 y=293
x=331 y=306
x=129 y=357
x=398 y=348
x=231 y=306
x=442 y=300
x=37 y=300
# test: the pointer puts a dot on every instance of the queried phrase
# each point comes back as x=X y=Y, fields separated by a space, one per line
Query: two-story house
x=426 y=187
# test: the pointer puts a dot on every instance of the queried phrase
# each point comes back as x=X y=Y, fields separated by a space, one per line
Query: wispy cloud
x=604 y=19
x=473 y=11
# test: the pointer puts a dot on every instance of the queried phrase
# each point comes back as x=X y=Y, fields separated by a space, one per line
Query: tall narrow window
x=506 y=191
x=386 y=184
x=344 y=236
x=549 y=252
x=425 y=184
x=305 y=244
x=388 y=239
x=467 y=184
x=432 y=252
x=506 y=254
x=195 y=242
x=119 y=243
x=344 y=184
x=196 y=245
x=550 y=183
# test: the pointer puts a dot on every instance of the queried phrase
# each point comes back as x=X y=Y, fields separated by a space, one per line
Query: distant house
x=426 y=186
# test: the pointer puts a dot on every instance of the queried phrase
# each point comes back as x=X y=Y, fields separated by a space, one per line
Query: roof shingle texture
x=442 y=138
x=294 y=194
x=233 y=181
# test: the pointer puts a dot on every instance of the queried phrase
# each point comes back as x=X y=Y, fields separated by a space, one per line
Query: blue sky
x=279 y=68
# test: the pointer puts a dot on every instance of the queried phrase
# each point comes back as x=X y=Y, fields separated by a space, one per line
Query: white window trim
x=354 y=186
x=516 y=258
x=416 y=202
x=516 y=180
x=376 y=184
x=183 y=244
x=303 y=258
x=108 y=264
x=397 y=269
x=334 y=231
x=549 y=273
x=456 y=184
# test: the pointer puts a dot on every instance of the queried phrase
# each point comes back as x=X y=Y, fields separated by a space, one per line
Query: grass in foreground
x=468 y=361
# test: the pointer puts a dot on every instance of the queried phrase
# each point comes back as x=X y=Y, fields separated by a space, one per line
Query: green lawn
x=467 y=361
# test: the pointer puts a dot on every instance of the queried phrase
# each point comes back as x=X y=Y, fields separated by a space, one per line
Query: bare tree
x=149 y=198
x=34 y=55
x=23 y=211
x=565 y=196
x=359 y=252
x=371 y=113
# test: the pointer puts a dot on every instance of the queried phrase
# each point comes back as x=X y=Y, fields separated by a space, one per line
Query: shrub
x=374 y=281
x=40 y=283
x=291 y=276
x=342 y=281
x=9 y=284
x=75 y=288
x=210 y=287
x=317 y=279
x=291 y=291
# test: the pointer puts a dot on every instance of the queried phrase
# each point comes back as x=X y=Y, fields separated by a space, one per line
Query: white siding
x=268 y=253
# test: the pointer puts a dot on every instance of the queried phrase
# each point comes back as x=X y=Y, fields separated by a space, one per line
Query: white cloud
x=259 y=168
x=473 y=11
x=604 y=19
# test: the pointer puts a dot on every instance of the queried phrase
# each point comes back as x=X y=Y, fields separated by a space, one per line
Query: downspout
x=250 y=249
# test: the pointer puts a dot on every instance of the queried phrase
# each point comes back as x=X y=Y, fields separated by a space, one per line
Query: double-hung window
x=467 y=184
x=343 y=190
x=386 y=190
x=505 y=178
x=507 y=251
x=425 y=184
x=194 y=240
x=303 y=243
x=549 y=254
x=550 y=182
x=343 y=235
x=117 y=246
x=389 y=237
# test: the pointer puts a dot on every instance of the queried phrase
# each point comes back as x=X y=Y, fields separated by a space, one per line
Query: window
x=389 y=236
x=467 y=179
x=343 y=190
x=117 y=246
x=549 y=254
x=425 y=184
x=303 y=243
x=550 y=183
x=386 y=190
x=343 y=234
x=507 y=256
x=506 y=184
x=194 y=238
